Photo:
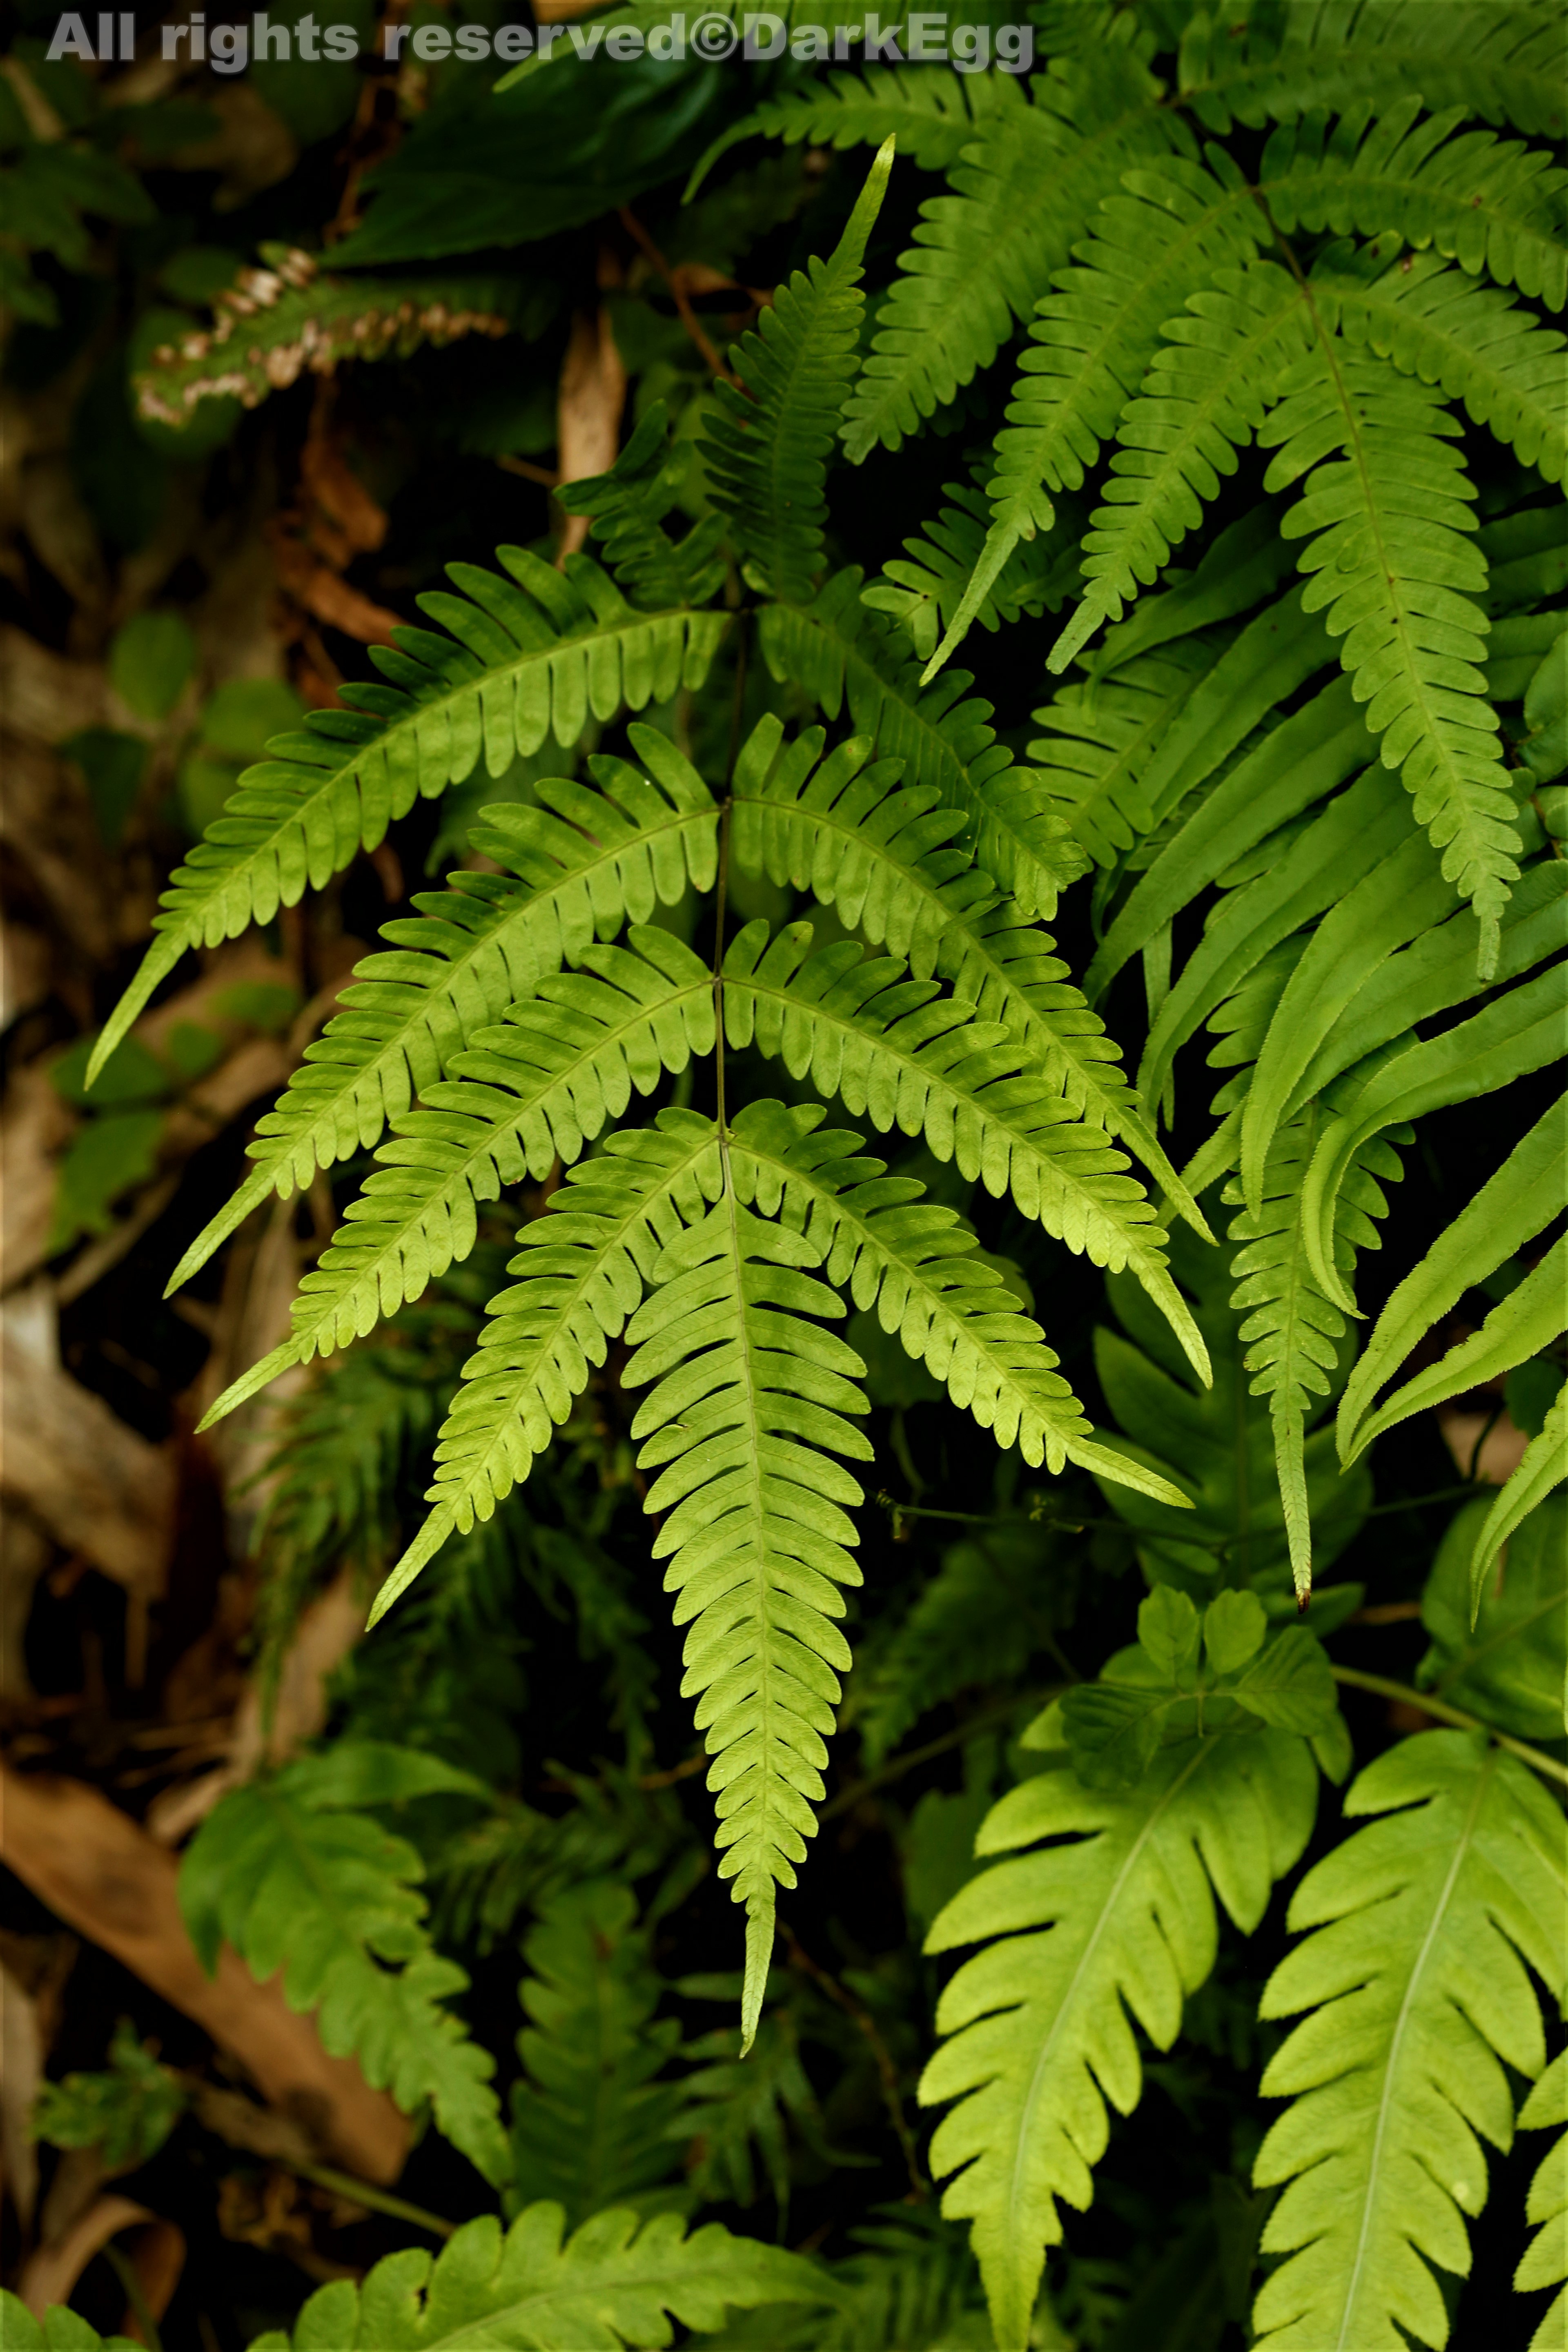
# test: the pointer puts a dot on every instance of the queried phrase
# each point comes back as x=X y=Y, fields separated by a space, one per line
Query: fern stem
x=887 y=2073
x=896 y=1766
x=364 y=2192
x=125 y=2271
x=1444 y=1713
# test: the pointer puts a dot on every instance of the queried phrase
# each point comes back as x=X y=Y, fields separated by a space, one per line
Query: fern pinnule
x=575 y=866
x=1495 y=206
x=528 y=656
x=583 y=1267
x=1422 y=1925
x=1545 y=2262
x=933 y=116
x=884 y=857
x=748 y=1410
x=917 y=1264
x=523 y=1095
x=1076 y=1935
x=895 y=1050
x=958 y=571
x=767 y=446
x=628 y=505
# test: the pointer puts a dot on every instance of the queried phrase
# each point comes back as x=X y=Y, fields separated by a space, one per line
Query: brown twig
x=678 y=296
x=897 y=1766
x=887 y=2073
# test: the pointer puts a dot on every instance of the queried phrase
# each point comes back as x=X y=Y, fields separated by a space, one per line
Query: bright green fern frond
x=290 y=1873
x=525 y=1094
x=584 y=1266
x=895 y=1050
x=945 y=577
x=628 y=505
x=1121 y=1918
x=527 y=656
x=984 y=255
x=1546 y=2261
x=767 y=448
x=1502 y=63
x=1415 y=1978
x=579 y=865
x=1519 y=1202
x=748 y=1409
x=1392 y=546
x=1203 y=398
x=1495 y=206
x=933 y=115
x=884 y=859
x=611 y=2284
x=1292 y=1331
x=916 y=1263
x=1474 y=341
x=838 y=652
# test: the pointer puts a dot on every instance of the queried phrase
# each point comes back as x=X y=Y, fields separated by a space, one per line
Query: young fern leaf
x=1076 y=1935
x=1292 y=1331
x=1494 y=206
x=884 y=859
x=1415 y=1975
x=767 y=448
x=294 y=1878
x=533 y=1090
x=1204 y=397
x=932 y=116
x=947 y=567
x=1523 y=1198
x=1473 y=340
x=1092 y=339
x=1389 y=519
x=628 y=505
x=1546 y=2262
x=583 y=1266
x=983 y=255
x=1543 y=1467
x=516 y=666
x=749 y=1407
x=582 y=863
x=895 y=1050
x=611 y=2284
x=838 y=652
x=914 y=1262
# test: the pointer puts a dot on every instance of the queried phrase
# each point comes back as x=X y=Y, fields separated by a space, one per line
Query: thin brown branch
x=887 y=2073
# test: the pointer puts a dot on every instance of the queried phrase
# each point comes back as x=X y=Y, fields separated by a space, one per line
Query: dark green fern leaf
x=933 y=115
x=628 y=505
x=767 y=448
x=946 y=575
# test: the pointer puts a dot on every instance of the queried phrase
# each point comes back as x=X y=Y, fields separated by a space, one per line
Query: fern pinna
x=1282 y=460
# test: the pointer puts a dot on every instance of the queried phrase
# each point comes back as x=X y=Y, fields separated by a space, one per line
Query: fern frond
x=591 y=2126
x=1104 y=732
x=578 y=865
x=838 y=652
x=1523 y=1198
x=516 y=666
x=1203 y=398
x=897 y=1052
x=1473 y=341
x=1522 y=1324
x=748 y=1409
x=768 y=442
x=628 y=505
x=947 y=577
x=932 y=114
x=915 y=1263
x=288 y=1873
x=1390 y=517
x=1494 y=206
x=610 y=2285
x=584 y=1266
x=1415 y=1975
x=1545 y=2262
x=1498 y=62
x=285 y=320
x=1092 y=339
x=523 y=1096
x=983 y=255
x=1542 y=1468
x=1292 y=1331
x=1514 y=1035
x=883 y=858
x=1121 y=1918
